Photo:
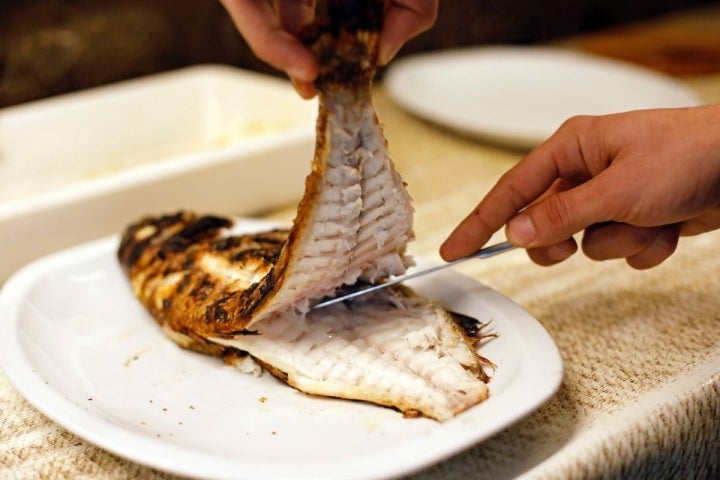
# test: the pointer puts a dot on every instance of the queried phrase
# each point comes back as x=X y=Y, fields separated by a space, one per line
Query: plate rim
x=139 y=448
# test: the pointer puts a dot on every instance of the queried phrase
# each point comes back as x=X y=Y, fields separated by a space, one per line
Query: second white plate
x=77 y=344
x=519 y=96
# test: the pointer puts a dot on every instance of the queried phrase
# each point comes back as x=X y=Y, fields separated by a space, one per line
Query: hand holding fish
x=634 y=182
x=271 y=31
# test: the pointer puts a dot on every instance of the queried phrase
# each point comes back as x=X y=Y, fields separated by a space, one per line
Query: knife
x=486 y=252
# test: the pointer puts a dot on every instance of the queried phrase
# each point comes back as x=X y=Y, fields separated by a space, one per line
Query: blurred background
x=48 y=47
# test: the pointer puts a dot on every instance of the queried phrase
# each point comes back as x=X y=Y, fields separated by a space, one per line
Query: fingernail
x=520 y=230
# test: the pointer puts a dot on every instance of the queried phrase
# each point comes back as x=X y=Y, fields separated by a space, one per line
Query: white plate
x=204 y=138
x=77 y=345
x=520 y=95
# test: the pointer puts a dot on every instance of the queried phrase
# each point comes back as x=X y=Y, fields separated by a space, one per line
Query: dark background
x=48 y=47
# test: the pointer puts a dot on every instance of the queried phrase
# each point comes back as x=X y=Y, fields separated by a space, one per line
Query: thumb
x=559 y=216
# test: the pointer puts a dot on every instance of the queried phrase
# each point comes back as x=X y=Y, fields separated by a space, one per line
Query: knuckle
x=579 y=126
x=556 y=213
x=517 y=197
x=578 y=122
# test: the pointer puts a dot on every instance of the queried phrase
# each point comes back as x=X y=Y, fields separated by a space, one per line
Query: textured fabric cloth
x=641 y=391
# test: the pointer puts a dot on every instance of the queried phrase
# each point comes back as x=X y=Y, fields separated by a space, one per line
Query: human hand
x=271 y=31
x=634 y=182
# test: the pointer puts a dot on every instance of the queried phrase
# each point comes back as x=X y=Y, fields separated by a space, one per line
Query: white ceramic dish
x=207 y=138
x=77 y=345
x=519 y=96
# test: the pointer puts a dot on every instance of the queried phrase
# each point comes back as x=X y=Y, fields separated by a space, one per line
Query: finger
x=566 y=213
x=514 y=191
x=404 y=20
x=553 y=254
x=609 y=240
x=266 y=37
x=662 y=246
x=306 y=90
x=534 y=178
x=705 y=222
x=295 y=14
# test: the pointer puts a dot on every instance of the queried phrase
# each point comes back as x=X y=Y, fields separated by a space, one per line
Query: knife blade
x=486 y=252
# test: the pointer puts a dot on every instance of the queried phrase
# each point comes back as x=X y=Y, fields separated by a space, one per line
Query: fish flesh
x=248 y=297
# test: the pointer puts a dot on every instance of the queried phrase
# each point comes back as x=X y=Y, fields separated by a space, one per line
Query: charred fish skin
x=345 y=40
x=185 y=268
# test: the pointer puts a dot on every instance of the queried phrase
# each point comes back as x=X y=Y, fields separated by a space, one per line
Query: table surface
x=641 y=349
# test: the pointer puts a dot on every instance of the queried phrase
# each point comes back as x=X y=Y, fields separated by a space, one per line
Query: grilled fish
x=392 y=347
x=248 y=297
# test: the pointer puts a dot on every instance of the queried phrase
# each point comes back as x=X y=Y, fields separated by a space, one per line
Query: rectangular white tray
x=208 y=138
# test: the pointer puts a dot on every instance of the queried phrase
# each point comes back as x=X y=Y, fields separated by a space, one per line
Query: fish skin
x=244 y=297
x=189 y=289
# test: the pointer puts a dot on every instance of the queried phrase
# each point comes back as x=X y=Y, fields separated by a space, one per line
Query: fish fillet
x=248 y=298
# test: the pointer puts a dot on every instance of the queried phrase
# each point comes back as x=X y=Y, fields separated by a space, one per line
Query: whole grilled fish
x=248 y=298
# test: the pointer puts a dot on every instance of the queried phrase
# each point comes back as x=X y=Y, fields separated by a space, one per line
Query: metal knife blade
x=486 y=252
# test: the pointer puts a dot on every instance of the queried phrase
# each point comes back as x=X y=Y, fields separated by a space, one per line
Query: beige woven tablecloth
x=641 y=389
